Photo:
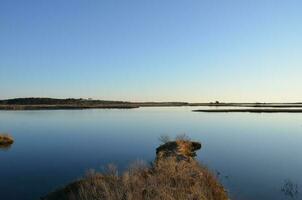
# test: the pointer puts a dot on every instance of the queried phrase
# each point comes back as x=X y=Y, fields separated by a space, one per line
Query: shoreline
x=250 y=110
x=64 y=107
x=69 y=104
x=290 y=108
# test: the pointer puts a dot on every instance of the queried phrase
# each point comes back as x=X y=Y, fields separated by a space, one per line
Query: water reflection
x=290 y=189
x=221 y=176
x=5 y=147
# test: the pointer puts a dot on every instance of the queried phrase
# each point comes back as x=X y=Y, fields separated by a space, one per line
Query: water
x=255 y=155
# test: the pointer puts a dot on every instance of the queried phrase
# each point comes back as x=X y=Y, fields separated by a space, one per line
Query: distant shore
x=65 y=107
x=67 y=104
x=262 y=110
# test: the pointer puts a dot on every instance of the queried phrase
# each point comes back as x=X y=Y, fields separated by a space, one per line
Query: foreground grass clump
x=174 y=175
x=6 y=139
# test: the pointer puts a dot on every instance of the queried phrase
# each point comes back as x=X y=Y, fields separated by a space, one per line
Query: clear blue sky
x=152 y=50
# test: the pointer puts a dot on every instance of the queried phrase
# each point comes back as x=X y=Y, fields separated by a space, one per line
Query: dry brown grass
x=175 y=175
x=169 y=180
x=6 y=139
x=181 y=148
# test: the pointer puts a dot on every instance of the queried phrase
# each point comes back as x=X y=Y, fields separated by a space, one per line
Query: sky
x=152 y=50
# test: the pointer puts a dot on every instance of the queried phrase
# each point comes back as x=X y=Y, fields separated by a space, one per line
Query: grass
x=168 y=178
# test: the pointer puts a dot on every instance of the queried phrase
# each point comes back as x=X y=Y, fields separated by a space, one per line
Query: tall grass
x=168 y=178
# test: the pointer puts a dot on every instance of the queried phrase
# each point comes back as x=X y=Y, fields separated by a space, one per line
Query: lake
x=256 y=156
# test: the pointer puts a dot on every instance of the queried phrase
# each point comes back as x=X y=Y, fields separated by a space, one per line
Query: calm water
x=255 y=154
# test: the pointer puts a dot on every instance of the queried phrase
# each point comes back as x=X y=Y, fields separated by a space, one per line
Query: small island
x=6 y=140
x=252 y=110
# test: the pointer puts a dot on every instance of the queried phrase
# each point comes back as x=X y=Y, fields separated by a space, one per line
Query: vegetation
x=51 y=104
x=255 y=110
x=174 y=175
x=6 y=139
x=52 y=101
x=70 y=103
